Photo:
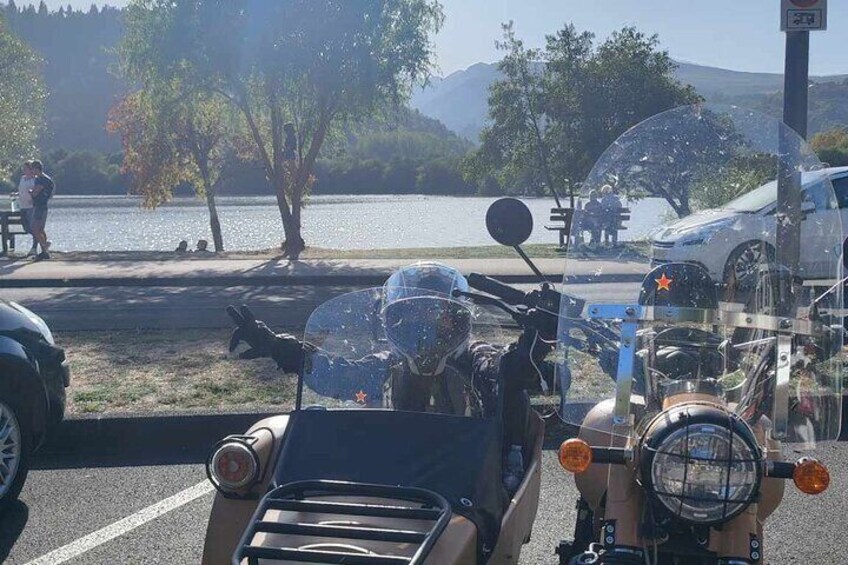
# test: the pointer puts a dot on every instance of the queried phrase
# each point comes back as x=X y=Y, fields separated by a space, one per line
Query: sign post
x=797 y=19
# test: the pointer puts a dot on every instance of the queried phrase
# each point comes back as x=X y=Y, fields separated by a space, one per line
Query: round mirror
x=509 y=221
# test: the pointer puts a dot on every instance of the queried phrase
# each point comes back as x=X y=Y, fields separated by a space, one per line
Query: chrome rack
x=299 y=497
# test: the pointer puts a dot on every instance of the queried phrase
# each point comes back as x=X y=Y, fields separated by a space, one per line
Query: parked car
x=33 y=378
x=736 y=246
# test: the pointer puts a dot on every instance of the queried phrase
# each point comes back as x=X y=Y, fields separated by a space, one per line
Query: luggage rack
x=426 y=506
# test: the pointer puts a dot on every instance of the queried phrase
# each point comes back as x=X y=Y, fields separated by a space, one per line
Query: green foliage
x=84 y=172
x=828 y=106
x=743 y=173
x=77 y=49
x=399 y=176
x=317 y=64
x=556 y=109
x=22 y=97
x=832 y=146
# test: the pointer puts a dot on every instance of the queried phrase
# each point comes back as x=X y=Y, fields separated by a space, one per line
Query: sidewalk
x=255 y=272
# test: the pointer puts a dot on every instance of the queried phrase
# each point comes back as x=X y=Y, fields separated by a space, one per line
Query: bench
x=11 y=225
x=565 y=217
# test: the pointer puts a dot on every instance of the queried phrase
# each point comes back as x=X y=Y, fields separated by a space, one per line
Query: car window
x=820 y=195
x=840 y=187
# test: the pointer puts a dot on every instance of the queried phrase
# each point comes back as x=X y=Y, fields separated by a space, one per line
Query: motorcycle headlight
x=700 y=464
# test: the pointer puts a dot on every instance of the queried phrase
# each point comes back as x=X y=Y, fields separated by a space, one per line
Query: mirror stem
x=530 y=263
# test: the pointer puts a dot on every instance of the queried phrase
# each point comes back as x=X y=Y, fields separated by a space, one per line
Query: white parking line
x=121 y=527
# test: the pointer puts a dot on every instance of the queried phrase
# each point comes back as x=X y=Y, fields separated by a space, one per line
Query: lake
x=342 y=222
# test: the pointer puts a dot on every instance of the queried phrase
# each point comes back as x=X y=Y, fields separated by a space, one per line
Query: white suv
x=736 y=242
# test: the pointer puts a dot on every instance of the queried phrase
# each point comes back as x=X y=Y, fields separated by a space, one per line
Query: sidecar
x=347 y=478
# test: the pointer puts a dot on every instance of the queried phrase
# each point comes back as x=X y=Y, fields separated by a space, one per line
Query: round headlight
x=233 y=465
x=700 y=464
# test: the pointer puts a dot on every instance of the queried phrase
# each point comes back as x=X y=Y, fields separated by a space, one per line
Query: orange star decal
x=360 y=397
x=663 y=283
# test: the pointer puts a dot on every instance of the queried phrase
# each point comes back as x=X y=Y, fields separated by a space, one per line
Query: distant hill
x=459 y=100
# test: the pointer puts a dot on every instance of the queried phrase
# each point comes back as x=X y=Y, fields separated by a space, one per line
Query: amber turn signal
x=810 y=476
x=575 y=455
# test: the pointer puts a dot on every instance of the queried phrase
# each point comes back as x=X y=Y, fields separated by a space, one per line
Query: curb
x=169 y=433
x=133 y=435
x=282 y=281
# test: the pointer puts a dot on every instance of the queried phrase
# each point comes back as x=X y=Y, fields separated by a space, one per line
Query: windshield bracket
x=624 y=375
x=780 y=410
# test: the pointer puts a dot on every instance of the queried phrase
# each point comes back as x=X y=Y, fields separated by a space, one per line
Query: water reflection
x=341 y=222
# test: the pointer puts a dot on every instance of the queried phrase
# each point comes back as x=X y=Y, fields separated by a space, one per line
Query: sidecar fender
x=230 y=516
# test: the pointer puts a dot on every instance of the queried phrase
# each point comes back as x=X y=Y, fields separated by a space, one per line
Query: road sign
x=803 y=15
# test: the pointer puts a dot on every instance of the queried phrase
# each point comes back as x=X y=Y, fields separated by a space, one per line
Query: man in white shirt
x=26 y=184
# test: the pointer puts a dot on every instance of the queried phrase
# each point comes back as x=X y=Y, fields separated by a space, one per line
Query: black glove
x=285 y=349
x=518 y=369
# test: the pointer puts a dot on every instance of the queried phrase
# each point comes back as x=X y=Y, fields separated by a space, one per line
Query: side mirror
x=509 y=222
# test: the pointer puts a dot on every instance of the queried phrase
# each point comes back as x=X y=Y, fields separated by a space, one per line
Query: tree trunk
x=214 y=222
x=209 y=190
x=294 y=244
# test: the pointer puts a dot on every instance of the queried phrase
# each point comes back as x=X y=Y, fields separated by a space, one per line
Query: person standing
x=42 y=192
x=26 y=184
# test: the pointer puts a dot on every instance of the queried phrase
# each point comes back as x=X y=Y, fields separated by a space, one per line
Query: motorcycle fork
x=623 y=511
x=739 y=540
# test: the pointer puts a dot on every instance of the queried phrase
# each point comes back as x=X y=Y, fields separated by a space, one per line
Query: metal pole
x=789 y=218
x=796 y=80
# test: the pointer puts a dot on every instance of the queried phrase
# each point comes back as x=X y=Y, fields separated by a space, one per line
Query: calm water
x=341 y=222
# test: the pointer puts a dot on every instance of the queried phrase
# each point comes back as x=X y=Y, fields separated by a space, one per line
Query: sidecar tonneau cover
x=456 y=457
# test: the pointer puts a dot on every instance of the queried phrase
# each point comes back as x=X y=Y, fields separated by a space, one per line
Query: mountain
x=460 y=100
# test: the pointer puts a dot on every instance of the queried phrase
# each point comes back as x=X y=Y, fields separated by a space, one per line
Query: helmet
x=424 y=322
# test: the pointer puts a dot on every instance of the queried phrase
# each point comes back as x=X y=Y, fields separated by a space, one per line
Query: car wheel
x=15 y=449
x=743 y=265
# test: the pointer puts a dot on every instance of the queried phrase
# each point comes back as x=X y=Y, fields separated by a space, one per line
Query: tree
x=170 y=138
x=315 y=64
x=21 y=100
x=558 y=108
x=832 y=146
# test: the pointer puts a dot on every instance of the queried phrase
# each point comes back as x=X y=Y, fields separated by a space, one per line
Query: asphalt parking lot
x=141 y=509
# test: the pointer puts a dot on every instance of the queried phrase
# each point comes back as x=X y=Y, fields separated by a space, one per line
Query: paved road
x=104 y=308
x=67 y=499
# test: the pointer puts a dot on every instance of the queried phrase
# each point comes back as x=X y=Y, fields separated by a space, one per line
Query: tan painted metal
x=229 y=517
x=456 y=546
x=625 y=497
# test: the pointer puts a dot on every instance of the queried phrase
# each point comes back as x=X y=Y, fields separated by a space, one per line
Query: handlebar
x=496 y=288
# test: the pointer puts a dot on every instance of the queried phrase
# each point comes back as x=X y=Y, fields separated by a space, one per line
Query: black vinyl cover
x=456 y=457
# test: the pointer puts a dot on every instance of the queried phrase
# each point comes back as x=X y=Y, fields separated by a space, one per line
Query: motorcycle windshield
x=733 y=301
x=406 y=351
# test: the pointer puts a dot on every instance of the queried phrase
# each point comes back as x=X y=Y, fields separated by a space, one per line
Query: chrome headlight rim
x=669 y=423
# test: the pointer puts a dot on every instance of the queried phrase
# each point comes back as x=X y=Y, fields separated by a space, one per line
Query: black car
x=33 y=377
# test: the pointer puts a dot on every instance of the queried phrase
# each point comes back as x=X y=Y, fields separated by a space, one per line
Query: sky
x=733 y=34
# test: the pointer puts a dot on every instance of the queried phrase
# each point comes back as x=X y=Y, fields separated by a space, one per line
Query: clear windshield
x=410 y=354
x=721 y=313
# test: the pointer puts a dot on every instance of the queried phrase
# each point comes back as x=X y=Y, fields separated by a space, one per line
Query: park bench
x=566 y=216
x=11 y=225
